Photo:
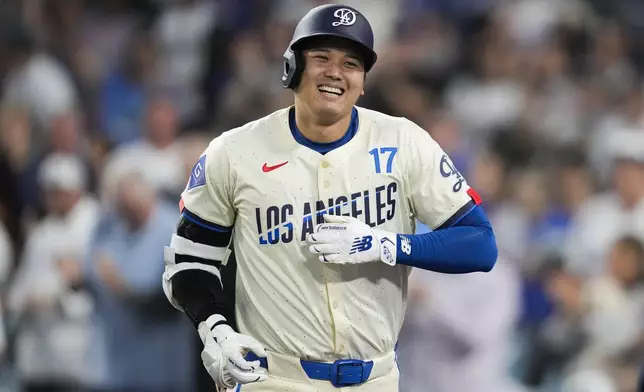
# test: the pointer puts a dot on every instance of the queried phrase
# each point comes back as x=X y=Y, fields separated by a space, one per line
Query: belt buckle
x=346 y=372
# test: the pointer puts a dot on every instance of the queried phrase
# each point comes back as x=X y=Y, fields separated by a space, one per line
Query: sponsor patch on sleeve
x=198 y=174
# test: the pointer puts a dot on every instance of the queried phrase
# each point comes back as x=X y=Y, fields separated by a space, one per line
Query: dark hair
x=572 y=157
x=632 y=243
x=18 y=39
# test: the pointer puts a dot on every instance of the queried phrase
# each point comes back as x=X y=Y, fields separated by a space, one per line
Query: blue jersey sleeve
x=468 y=245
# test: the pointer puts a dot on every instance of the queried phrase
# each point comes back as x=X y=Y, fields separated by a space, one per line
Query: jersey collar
x=323 y=148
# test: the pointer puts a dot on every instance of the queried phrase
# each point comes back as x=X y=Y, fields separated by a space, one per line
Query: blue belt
x=341 y=373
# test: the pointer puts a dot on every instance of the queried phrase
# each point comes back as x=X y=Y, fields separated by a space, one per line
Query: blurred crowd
x=106 y=104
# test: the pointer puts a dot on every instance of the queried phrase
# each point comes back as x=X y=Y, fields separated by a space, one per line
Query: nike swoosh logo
x=267 y=168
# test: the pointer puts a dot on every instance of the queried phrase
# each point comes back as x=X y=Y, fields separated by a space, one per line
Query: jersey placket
x=339 y=322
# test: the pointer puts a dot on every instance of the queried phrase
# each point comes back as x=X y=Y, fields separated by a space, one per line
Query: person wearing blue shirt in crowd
x=142 y=345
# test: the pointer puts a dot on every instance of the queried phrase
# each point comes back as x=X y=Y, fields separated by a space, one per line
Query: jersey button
x=326 y=184
x=342 y=348
x=325 y=164
x=335 y=304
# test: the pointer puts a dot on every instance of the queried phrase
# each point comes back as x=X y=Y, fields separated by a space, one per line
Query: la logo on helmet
x=346 y=17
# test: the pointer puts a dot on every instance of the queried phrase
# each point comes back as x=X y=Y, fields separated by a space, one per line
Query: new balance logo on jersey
x=361 y=244
x=405 y=245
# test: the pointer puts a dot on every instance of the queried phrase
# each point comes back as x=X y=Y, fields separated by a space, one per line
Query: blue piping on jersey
x=323 y=148
x=189 y=216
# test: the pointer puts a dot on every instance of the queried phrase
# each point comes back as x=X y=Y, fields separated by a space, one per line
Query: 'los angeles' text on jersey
x=277 y=224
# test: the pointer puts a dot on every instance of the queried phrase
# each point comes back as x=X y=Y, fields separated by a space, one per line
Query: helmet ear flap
x=293 y=68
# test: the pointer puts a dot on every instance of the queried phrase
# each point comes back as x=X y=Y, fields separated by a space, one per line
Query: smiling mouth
x=331 y=91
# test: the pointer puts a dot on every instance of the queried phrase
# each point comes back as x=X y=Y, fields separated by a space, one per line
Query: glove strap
x=388 y=246
x=205 y=327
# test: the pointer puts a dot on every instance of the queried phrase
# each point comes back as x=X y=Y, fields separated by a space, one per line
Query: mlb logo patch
x=198 y=174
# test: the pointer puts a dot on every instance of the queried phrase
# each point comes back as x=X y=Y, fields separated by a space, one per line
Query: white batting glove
x=346 y=240
x=223 y=355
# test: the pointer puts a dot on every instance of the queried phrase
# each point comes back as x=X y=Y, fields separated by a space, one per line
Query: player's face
x=332 y=81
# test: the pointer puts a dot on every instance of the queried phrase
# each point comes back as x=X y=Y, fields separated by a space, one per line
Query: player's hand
x=346 y=240
x=223 y=356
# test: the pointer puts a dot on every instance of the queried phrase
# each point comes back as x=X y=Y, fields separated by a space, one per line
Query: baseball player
x=319 y=200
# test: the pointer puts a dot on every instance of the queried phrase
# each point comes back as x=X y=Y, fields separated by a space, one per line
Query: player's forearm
x=200 y=295
x=468 y=246
x=192 y=280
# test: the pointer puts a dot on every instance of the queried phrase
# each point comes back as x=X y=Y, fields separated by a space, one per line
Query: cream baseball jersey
x=273 y=190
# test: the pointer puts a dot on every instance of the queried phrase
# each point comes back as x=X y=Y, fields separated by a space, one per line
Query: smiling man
x=322 y=198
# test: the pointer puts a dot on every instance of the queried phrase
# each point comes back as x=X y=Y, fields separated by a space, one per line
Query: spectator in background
x=623 y=125
x=605 y=217
x=53 y=338
x=157 y=156
x=553 y=110
x=492 y=97
x=604 y=313
x=574 y=182
x=123 y=97
x=573 y=185
x=66 y=135
x=458 y=331
x=141 y=342
x=180 y=33
x=102 y=32
x=541 y=223
x=611 y=306
x=15 y=138
x=610 y=59
x=246 y=92
x=36 y=81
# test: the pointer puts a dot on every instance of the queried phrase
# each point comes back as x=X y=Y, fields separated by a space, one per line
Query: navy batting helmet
x=329 y=20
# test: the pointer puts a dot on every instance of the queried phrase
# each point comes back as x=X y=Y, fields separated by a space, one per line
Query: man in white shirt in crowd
x=157 y=156
x=53 y=317
x=603 y=218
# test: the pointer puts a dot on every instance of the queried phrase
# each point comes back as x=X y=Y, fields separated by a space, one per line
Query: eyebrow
x=347 y=54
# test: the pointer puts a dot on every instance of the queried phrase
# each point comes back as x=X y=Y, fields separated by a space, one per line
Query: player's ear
x=361 y=92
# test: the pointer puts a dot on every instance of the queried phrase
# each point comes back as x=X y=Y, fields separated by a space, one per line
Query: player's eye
x=321 y=57
x=351 y=64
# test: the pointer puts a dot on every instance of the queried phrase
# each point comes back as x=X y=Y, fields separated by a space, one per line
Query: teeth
x=332 y=90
